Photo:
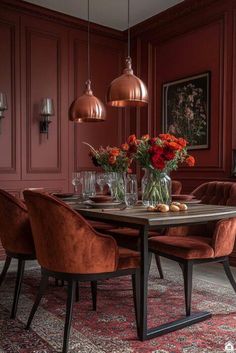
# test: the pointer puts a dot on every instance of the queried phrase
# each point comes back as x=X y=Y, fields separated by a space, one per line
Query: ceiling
x=110 y=13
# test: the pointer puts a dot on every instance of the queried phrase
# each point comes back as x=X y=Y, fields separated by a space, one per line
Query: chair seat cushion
x=101 y=226
x=128 y=259
x=127 y=237
x=190 y=247
x=129 y=232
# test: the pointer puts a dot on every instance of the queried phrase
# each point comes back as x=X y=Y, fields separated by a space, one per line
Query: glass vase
x=156 y=188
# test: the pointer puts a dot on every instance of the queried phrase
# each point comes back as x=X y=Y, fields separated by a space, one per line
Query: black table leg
x=143 y=283
x=144 y=332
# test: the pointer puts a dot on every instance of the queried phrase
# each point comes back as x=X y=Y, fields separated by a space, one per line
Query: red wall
x=191 y=38
x=43 y=54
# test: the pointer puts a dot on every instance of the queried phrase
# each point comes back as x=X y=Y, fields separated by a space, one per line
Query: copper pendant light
x=127 y=89
x=87 y=108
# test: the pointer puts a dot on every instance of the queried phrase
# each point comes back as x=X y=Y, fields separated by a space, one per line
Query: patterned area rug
x=112 y=328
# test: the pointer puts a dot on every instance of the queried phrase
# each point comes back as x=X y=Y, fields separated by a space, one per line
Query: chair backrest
x=223 y=233
x=64 y=241
x=217 y=193
x=176 y=187
x=15 y=230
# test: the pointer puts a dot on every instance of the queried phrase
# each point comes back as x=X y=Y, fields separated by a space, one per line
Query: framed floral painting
x=186 y=109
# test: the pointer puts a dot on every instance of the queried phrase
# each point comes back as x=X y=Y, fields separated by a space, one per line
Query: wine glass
x=76 y=181
x=131 y=190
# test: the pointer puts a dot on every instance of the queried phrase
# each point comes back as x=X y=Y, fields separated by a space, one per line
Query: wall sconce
x=46 y=111
x=3 y=107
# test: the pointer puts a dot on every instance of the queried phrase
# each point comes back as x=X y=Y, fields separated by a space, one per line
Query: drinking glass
x=111 y=179
x=76 y=181
x=101 y=181
x=88 y=184
x=131 y=190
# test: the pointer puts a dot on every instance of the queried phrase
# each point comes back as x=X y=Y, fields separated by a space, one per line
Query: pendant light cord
x=88 y=53
x=128 y=29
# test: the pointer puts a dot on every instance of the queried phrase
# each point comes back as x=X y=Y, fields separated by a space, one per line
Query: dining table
x=139 y=218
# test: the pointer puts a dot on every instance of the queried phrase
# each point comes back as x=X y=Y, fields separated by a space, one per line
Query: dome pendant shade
x=127 y=89
x=87 y=108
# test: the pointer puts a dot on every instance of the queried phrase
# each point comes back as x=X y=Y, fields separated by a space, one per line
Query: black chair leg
x=5 y=268
x=69 y=310
x=229 y=274
x=136 y=297
x=77 y=291
x=149 y=261
x=19 y=277
x=158 y=263
x=94 y=294
x=42 y=287
x=188 y=275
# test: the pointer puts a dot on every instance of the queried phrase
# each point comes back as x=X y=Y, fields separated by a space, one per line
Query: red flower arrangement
x=162 y=153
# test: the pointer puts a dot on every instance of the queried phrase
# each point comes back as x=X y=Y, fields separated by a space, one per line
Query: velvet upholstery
x=212 y=193
x=184 y=247
x=220 y=236
x=101 y=226
x=176 y=187
x=65 y=241
x=15 y=230
x=127 y=237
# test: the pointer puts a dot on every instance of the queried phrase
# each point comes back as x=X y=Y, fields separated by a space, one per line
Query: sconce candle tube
x=46 y=111
x=3 y=107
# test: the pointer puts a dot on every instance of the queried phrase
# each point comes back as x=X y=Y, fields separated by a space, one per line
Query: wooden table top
x=198 y=213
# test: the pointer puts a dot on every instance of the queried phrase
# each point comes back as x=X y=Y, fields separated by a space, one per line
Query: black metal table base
x=176 y=325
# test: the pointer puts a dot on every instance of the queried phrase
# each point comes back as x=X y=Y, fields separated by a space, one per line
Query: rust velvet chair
x=202 y=243
x=69 y=249
x=16 y=238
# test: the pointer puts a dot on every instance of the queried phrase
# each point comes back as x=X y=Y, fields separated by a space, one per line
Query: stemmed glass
x=76 y=181
x=131 y=190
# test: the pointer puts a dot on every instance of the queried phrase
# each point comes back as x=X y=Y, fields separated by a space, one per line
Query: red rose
x=168 y=153
x=157 y=162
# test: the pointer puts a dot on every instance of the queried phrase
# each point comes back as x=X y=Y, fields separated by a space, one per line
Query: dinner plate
x=63 y=195
x=113 y=204
x=182 y=197
x=191 y=202
x=101 y=198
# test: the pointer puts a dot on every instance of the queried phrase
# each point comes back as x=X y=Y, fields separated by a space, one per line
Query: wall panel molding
x=9 y=83
x=30 y=33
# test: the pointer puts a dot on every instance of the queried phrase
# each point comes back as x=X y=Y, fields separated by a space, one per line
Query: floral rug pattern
x=112 y=329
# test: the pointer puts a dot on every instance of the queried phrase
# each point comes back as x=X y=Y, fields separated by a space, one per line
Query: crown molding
x=183 y=9
x=60 y=18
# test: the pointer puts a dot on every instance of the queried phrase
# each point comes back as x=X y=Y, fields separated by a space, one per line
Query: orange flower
x=124 y=147
x=182 y=142
x=131 y=139
x=168 y=137
x=190 y=160
x=112 y=160
x=145 y=137
x=174 y=145
x=115 y=151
